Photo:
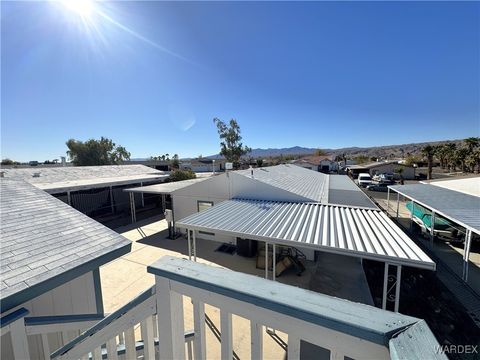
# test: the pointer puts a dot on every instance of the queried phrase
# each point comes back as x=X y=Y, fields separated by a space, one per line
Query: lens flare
x=83 y=8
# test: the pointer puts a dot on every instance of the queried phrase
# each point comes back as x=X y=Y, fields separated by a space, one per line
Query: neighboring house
x=203 y=165
x=380 y=167
x=288 y=183
x=51 y=255
x=323 y=164
x=96 y=191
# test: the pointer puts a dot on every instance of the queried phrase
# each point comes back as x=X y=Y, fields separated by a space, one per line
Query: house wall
x=223 y=187
x=78 y=296
x=408 y=171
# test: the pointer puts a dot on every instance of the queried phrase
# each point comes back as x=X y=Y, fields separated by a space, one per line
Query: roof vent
x=36 y=174
x=251 y=171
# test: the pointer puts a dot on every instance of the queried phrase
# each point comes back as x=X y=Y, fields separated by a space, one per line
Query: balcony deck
x=150 y=243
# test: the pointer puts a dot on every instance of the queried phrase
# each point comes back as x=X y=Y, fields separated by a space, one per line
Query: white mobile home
x=51 y=255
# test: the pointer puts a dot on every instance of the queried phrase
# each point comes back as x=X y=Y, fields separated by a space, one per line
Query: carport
x=352 y=231
x=458 y=207
x=163 y=189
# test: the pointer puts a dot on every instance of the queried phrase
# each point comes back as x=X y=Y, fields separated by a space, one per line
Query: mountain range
x=400 y=150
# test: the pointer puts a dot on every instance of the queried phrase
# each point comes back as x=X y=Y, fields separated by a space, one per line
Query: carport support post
x=432 y=228
x=411 y=216
x=397 y=287
x=163 y=202
x=189 y=245
x=111 y=200
x=388 y=200
x=273 y=262
x=398 y=203
x=143 y=200
x=194 y=246
x=69 y=198
x=266 y=260
x=132 y=207
x=466 y=254
x=385 y=284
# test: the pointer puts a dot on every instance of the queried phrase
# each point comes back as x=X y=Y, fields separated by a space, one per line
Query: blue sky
x=153 y=75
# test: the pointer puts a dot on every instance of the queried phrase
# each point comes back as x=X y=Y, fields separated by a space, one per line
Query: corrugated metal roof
x=459 y=207
x=295 y=179
x=43 y=238
x=357 y=232
x=165 y=188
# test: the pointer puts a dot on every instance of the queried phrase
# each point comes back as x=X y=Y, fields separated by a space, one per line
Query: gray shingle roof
x=43 y=238
x=76 y=177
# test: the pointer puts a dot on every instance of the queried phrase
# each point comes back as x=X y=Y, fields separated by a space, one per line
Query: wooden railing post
x=256 y=340
x=199 y=330
x=226 y=337
x=170 y=321
x=19 y=339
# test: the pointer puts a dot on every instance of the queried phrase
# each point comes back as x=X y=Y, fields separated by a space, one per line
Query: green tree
x=428 y=151
x=231 y=146
x=96 y=152
x=320 y=152
x=259 y=162
x=179 y=175
x=8 y=162
x=461 y=157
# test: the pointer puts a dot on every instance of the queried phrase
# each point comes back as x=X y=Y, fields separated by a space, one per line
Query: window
x=203 y=205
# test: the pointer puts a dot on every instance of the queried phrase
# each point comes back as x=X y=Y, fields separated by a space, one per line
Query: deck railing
x=314 y=323
x=310 y=320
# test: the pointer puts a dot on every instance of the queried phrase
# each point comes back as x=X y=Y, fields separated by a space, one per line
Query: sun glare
x=83 y=8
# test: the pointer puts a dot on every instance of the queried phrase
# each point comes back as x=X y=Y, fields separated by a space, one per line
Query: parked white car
x=364 y=179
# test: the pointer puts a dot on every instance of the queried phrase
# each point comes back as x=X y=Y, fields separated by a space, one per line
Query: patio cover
x=364 y=233
x=165 y=188
x=456 y=206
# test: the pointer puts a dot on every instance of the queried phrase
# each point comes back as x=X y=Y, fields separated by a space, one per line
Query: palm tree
x=428 y=151
x=461 y=155
x=450 y=158
x=472 y=143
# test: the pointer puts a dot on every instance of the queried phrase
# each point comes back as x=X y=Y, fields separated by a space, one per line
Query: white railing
x=53 y=331
x=343 y=328
x=310 y=321
x=114 y=337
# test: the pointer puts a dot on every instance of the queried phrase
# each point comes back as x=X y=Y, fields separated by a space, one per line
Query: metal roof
x=292 y=178
x=56 y=179
x=165 y=188
x=44 y=239
x=467 y=185
x=459 y=207
x=343 y=191
x=363 y=233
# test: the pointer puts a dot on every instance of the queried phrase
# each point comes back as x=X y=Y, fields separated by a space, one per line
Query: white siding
x=74 y=297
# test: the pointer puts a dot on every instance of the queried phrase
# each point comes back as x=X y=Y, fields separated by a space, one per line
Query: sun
x=83 y=8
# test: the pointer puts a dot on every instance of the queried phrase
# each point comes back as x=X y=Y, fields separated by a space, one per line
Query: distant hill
x=396 y=151
x=262 y=153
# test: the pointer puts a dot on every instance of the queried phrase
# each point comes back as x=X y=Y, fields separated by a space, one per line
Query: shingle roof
x=292 y=178
x=43 y=239
x=76 y=177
